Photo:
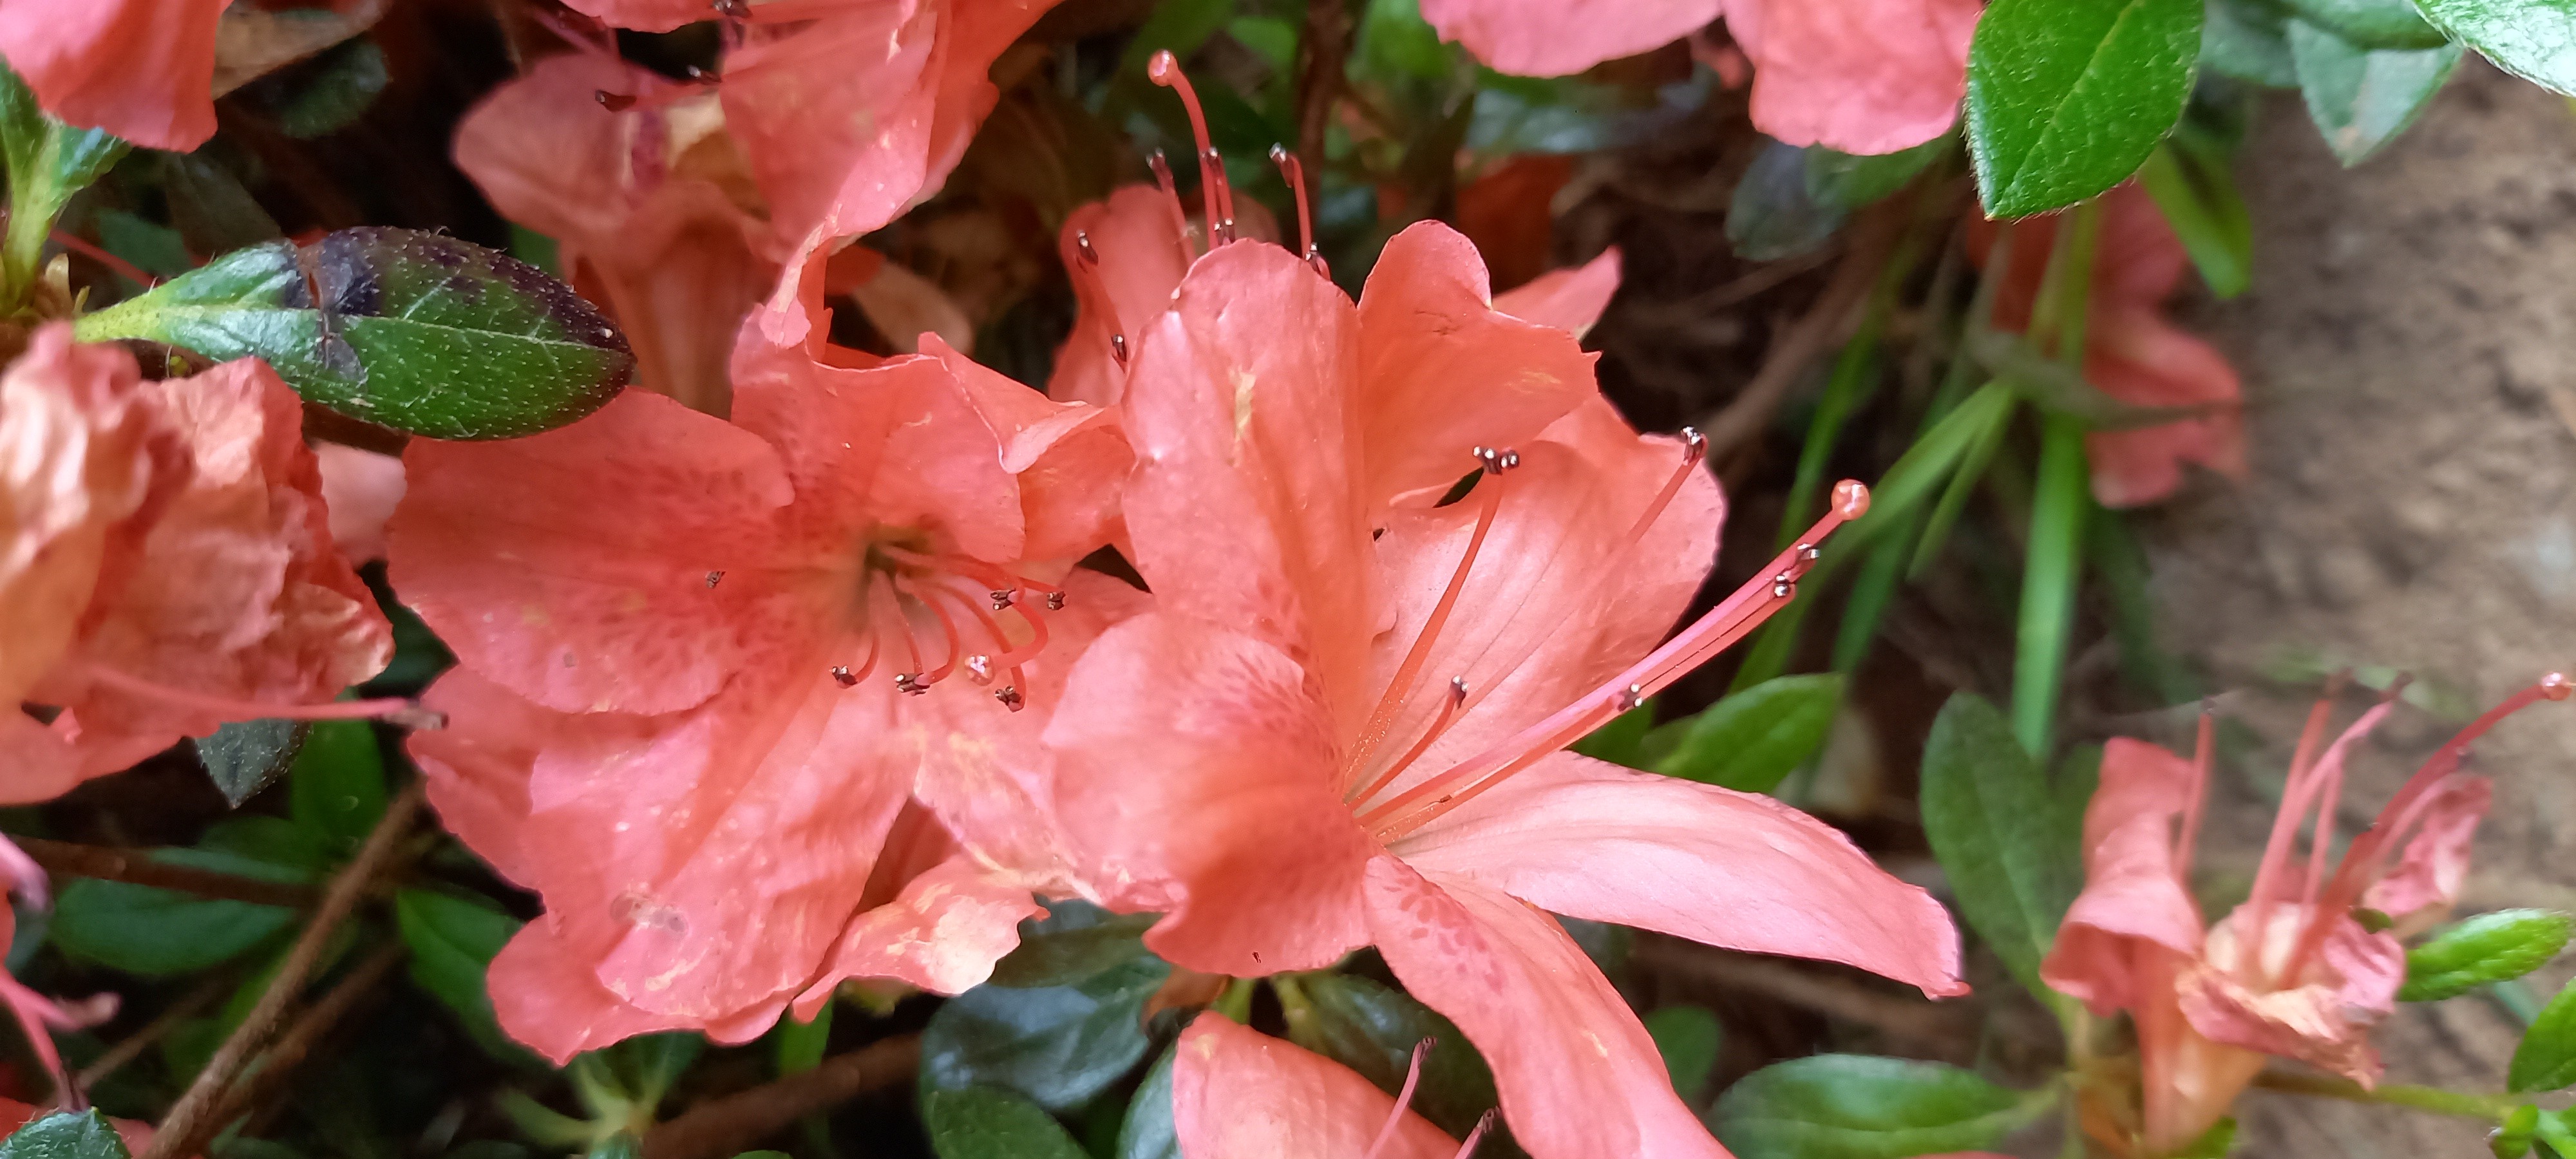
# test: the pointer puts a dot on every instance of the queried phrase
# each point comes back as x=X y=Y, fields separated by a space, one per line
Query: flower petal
x=2325 y=1020
x=1569 y=299
x=2418 y=893
x=2133 y=902
x=1240 y=1094
x=1234 y=827
x=143 y=70
x=1592 y=840
x=360 y=489
x=942 y=933
x=643 y=15
x=1861 y=76
x=1068 y=459
x=2137 y=357
x=1563 y=37
x=1578 y=1076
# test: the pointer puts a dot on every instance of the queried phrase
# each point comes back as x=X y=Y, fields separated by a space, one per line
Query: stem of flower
x=135 y=867
x=2064 y=493
x=2435 y=1100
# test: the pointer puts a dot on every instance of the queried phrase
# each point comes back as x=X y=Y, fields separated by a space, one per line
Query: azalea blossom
x=169 y=563
x=1861 y=76
x=2292 y=972
x=848 y=111
x=704 y=666
x=2131 y=353
x=143 y=70
x=1353 y=697
x=1241 y=1094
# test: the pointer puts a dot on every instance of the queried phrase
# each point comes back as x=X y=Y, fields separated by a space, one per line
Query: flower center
x=986 y=619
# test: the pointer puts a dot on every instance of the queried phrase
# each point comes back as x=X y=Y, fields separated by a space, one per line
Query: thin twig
x=1743 y=417
x=729 y=1124
x=306 y=1031
x=136 y=867
x=191 y=1121
x=1903 y=1018
x=132 y=1046
x=1319 y=79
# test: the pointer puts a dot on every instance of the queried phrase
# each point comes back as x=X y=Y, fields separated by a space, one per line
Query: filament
x=1165 y=70
x=230 y=708
x=1400 y=687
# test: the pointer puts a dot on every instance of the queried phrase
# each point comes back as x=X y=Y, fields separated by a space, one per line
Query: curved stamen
x=1449 y=707
x=1165 y=70
x=1467 y=1146
x=948 y=629
x=1172 y=202
x=1293 y=172
x=225 y=706
x=1403 y=1100
x=1489 y=495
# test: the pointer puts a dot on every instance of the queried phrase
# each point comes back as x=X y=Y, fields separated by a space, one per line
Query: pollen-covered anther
x=1694 y=445
x=1630 y=697
x=841 y=676
x=1001 y=597
x=979 y=668
x=1055 y=601
x=1118 y=349
x=1498 y=459
x=910 y=683
x=1457 y=690
x=1010 y=697
x=1082 y=245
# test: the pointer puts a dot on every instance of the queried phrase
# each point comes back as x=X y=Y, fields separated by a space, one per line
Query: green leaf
x=2199 y=199
x=421 y=332
x=1075 y=941
x=2532 y=39
x=1754 y=739
x=1999 y=834
x=622 y=1145
x=2371 y=24
x=1395 y=42
x=1147 y=1131
x=65 y=1135
x=2058 y=388
x=2486 y=948
x=47 y=162
x=337 y=786
x=452 y=941
x=983 y=1123
x=2067 y=97
x=246 y=756
x=2213 y=1143
x=1849 y=1106
x=2362 y=98
x=2546 y=1058
x=2245 y=39
x=1176 y=26
x=1059 y=1045
x=160 y=932
x=1773 y=215
x=328 y=93
x=1373 y=1029
x=1622 y=739
x=213 y=211
x=1689 y=1038
x=2512 y=1138
x=1851 y=181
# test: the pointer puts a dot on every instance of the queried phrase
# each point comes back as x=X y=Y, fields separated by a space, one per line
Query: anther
x=1457 y=690
x=979 y=668
x=1851 y=498
x=2555 y=686
x=714 y=578
x=1165 y=70
x=733 y=9
x=1630 y=697
x=1810 y=553
x=1694 y=445
x=1784 y=586
x=1001 y=598
x=1009 y=695
x=1118 y=349
x=841 y=676
x=1498 y=460
x=910 y=683
x=1055 y=601
x=1082 y=243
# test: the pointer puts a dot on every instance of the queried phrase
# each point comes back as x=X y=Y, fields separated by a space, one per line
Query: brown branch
x=132 y=1046
x=1320 y=54
x=136 y=867
x=729 y=1124
x=191 y=1122
x=298 y=1042
x=1826 y=322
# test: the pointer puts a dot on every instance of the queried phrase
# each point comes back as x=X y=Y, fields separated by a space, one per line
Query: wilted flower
x=2293 y=972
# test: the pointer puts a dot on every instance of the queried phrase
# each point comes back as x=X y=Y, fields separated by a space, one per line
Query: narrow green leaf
x=2067 y=97
x=1373 y=1029
x=2532 y=39
x=1849 y=1106
x=983 y=1123
x=452 y=941
x=2487 y=948
x=1074 y=942
x=1999 y=834
x=1058 y=1045
x=337 y=786
x=2362 y=98
x=65 y=1135
x=1754 y=739
x=159 y=932
x=1689 y=1038
x=800 y=1044
x=246 y=756
x=419 y=332
x=2062 y=497
x=328 y=93
x=2546 y=1058
x=1147 y=1131
x=2198 y=197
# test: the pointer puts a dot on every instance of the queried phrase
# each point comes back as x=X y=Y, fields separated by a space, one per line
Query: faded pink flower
x=705 y=664
x=1861 y=76
x=143 y=70
x=2291 y=972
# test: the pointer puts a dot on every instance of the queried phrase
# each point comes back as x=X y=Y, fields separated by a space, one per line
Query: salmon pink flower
x=704 y=665
x=170 y=563
x=143 y=70
x=2292 y=972
x=2131 y=352
x=1340 y=725
x=1241 y=1094
x=1861 y=76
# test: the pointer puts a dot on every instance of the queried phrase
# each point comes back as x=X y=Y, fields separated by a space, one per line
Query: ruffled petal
x=1592 y=840
x=1563 y=37
x=1578 y=1076
x=1197 y=775
x=1241 y=1094
x=2348 y=987
x=1569 y=299
x=1861 y=76
x=2418 y=893
x=942 y=933
x=2133 y=903
x=143 y=70
x=1068 y=459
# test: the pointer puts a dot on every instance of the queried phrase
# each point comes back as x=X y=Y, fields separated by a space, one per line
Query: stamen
x=394 y=709
x=948 y=629
x=2329 y=779
x=25 y=878
x=1732 y=620
x=910 y=681
x=613 y=102
x=2204 y=753
x=1448 y=712
x=1403 y=1100
x=1293 y=172
x=841 y=676
x=1165 y=70
x=714 y=578
x=1002 y=598
x=1172 y=201
x=1467 y=1146
x=1118 y=349
x=1082 y=245
x=1009 y=695
x=1489 y=492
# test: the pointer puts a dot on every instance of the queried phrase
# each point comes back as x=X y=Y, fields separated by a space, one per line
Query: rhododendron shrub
x=995 y=579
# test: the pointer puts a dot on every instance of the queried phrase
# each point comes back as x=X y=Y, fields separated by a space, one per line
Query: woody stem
x=2460 y=1104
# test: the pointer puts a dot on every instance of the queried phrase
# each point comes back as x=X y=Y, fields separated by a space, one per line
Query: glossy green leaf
x=1689 y=1038
x=1754 y=739
x=65 y=1135
x=1851 y=181
x=2198 y=197
x=47 y=162
x=245 y=756
x=1059 y=1045
x=1147 y=1131
x=1773 y=215
x=2512 y=1138
x=2532 y=39
x=2484 y=949
x=1373 y=1029
x=452 y=941
x=2067 y=97
x=2372 y=24
x=984 y=1123
x=2546 y=1058
x=420 y=332
x=2362 y=98
x=1848 y=1106
x=1999 y=834
x=1075 y=941
x=160 y=932
x=2245 y=39
x=328 y=93
x=1622 y=740
x=213 y=211
x=337 y=785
